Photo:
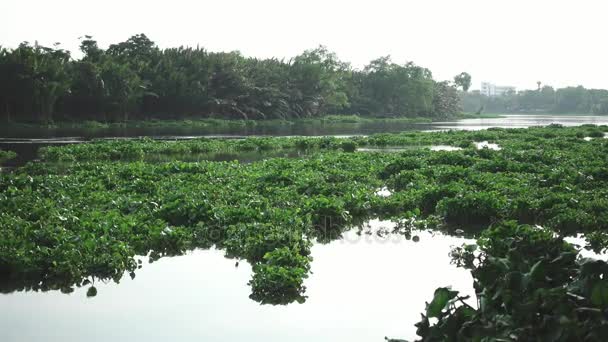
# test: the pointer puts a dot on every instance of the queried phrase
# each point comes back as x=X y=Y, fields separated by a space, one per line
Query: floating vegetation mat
x=63 y=225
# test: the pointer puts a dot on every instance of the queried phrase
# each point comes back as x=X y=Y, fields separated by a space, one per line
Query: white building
x=490 y=89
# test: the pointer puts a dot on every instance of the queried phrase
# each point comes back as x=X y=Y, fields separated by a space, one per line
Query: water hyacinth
x=62 y=224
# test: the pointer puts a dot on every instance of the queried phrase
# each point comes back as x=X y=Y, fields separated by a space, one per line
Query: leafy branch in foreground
x=530 y=286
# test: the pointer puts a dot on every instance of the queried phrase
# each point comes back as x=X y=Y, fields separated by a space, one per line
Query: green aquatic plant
x=6 y=155
x=89 y=217
x=476 y=208
x=522 y=139
x=348 y=146
x=530 y=286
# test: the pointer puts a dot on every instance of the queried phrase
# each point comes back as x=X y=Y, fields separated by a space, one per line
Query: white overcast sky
x=513 y=42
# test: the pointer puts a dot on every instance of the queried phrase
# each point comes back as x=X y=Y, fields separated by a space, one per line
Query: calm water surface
x=305 y=129
x=363 y=288
x=523 y=121
x=301 y=129
x=27 y=141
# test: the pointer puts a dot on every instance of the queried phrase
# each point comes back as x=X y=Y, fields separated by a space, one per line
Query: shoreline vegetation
x=211 y=122
x=219 y=122
x=545 y=99
x=137 y=80
x=79 y=216
x=6 y=155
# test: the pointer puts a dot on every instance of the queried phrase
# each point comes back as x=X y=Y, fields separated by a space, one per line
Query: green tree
x=38 y=78
x=316 y=82
x=463 y=80
x=136 y=79
x=389 y=89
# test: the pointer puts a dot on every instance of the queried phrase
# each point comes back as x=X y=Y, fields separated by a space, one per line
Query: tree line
x=546 y=99
x=135 y=79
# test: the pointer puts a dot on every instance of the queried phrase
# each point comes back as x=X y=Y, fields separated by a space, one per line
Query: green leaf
x=599 y=294
x=538 y=270
x=441 y=298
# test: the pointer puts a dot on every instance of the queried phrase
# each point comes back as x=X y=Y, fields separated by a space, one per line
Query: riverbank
x=462 y=116
x=211 y=122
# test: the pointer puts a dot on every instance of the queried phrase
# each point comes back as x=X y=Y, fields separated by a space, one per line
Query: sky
x=515 y=42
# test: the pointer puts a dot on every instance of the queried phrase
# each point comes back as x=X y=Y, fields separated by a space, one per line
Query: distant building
x=490 y=89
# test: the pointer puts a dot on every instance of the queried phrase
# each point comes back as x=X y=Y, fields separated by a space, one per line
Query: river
x=362 y=287
x=27 y=141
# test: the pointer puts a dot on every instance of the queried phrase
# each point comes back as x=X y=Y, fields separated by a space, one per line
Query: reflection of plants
x=92 y=291
x=279 y=277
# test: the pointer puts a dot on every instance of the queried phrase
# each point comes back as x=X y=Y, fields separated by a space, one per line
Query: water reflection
x=484 y=144
x=299 y=129
x=523 y=121
x=362 y=288
x=29 y=152
x=444 y=148
x=243 y=157
x=274 y=129
x=386 y=149
x=27 y=141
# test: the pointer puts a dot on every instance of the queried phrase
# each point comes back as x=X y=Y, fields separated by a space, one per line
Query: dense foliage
x=94 y=211
x=569 y=100
x=530 y=286
x=6 y=155
x=136 y=79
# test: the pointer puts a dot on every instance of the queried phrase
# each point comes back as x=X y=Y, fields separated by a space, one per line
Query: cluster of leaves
x=530 y=286
x=137 y=149
x=140 y=149
x=540 y=177
x=136 y=79
x=6 y=155
x=62 y=224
